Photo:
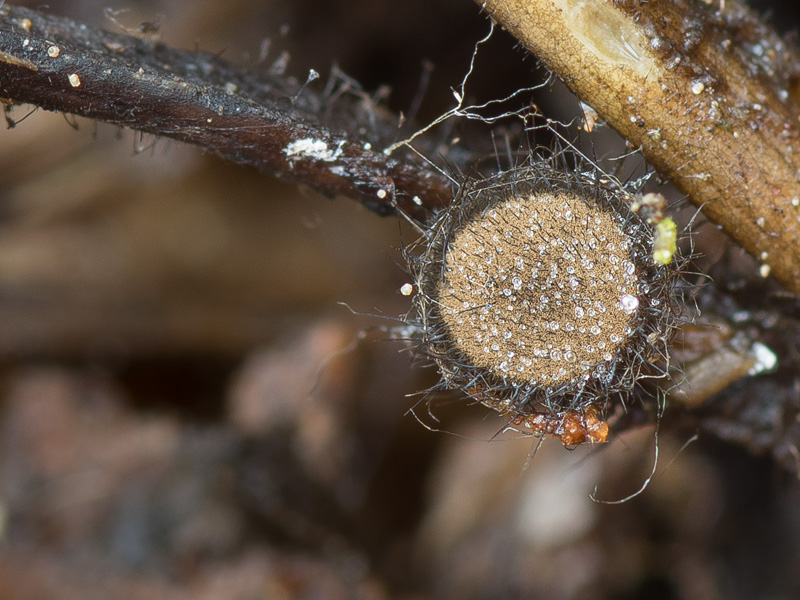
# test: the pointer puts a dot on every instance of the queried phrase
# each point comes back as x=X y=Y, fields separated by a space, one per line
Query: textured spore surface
x=539 y=287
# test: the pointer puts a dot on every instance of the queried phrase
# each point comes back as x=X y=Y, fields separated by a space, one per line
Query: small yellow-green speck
x=665 y=243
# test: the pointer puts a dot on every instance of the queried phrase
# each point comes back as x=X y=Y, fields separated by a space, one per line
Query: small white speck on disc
x=629 y=303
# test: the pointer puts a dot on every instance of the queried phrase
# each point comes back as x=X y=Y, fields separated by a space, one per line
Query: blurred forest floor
x=188 y=411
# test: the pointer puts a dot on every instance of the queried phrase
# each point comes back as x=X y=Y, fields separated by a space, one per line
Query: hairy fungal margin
x=537 y=294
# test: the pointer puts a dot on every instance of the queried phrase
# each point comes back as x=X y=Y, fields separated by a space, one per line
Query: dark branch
x=266 y=120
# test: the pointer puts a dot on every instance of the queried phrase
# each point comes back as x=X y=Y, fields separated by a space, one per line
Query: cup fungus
x=538 y=295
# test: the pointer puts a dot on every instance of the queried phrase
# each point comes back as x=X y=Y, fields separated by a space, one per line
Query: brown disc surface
x=540 y=288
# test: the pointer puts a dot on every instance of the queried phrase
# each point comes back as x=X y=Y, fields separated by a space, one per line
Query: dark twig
x=269 y=121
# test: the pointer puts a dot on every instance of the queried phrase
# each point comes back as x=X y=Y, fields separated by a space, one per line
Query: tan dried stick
x=707 y=91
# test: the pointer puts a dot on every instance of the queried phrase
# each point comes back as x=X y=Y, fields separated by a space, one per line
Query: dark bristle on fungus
x=537 y=294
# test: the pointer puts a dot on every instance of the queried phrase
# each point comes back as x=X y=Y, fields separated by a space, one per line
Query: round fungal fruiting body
x=538 y=295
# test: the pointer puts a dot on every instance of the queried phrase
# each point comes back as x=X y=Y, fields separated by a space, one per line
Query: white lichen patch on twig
x=312 y=149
